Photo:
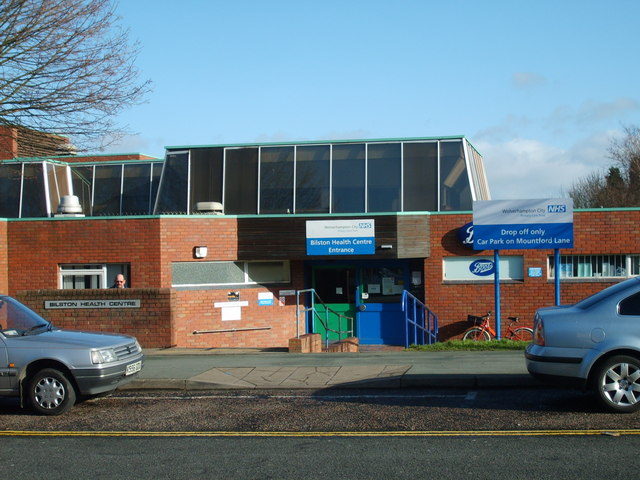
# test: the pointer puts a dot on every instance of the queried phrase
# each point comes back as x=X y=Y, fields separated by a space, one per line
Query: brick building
x=218 y=243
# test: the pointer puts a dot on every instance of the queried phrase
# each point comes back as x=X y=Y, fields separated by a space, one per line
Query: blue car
x=595 y=342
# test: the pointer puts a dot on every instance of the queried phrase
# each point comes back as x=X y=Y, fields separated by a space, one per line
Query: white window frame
x=630 y=266
x=98 y=269
x=456 y=269
x=286 y=267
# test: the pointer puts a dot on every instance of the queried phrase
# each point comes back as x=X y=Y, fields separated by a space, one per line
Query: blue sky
x=539 y=87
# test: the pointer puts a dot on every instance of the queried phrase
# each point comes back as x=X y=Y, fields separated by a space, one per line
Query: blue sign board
x=522 y=224
x=341 y=237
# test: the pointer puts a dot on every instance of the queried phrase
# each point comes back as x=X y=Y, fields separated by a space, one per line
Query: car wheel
x=50 y=392
x=476 y=334
x=618 y=384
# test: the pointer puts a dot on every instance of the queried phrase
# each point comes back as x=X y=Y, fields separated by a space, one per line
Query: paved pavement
x=211 y=369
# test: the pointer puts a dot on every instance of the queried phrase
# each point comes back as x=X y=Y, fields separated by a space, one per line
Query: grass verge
x=461 y=345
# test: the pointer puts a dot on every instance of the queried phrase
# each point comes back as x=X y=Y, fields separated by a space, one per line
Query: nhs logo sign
x=557 y=208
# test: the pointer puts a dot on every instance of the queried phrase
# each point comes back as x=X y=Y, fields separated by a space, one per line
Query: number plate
x=133 y=368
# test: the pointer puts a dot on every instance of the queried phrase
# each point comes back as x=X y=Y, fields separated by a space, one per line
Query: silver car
x=596 y=342
x=50 y=368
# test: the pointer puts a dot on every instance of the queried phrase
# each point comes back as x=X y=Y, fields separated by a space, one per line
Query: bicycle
x=482 y=330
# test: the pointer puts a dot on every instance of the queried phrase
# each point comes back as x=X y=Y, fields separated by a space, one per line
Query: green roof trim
x=63 y=159
x=318 y=142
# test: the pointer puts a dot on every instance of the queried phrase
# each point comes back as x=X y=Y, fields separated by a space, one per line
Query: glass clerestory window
x=34 y=189
x=430 y=175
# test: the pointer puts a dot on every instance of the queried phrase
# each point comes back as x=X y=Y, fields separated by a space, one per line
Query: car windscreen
x=607 y=292
x=16 y=319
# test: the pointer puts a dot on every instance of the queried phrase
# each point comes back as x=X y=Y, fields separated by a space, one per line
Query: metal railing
x=310 y=306
x=421 y=323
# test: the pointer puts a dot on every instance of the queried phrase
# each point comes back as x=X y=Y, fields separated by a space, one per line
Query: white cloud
x=527 y=80
x=137 y=144
x=525 y=168
x=591 y=113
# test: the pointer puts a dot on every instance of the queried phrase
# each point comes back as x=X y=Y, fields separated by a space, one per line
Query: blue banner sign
x=341 y=237
x=522 y=224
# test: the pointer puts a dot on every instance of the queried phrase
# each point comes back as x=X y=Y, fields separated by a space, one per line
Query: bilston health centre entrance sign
x=522 y=224
x=341 y=237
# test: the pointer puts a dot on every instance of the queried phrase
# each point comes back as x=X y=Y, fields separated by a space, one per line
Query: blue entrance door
x=380 y=318
x=381 y=324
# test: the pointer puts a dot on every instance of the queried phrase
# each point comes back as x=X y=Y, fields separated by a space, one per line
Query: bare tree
x=619 y=186
x=67 y=69
x=625 y=152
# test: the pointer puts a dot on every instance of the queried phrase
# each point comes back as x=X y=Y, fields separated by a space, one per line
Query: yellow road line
x=428 y=433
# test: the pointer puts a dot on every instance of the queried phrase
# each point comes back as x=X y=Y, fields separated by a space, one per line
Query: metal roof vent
x=70 y=206
x=214 y=208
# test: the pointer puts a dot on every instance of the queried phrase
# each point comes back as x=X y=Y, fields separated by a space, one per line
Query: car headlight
x=103 y=356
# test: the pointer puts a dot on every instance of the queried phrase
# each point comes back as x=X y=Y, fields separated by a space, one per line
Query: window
x=205 y=176
x=348 y=178
x=107 y=186
x=630 y=305
x=34 y=202
x=312 y=179
x=136 y=189
x=596 y=266
x=241 y=181
x=482 y=268
x=191 y=274
x=172 y=197
x=80 y=277
x=276 y=180
x=10 y=179
x=455 y=192
x=383 y=177
x=634 y=268
x=383 y=285
x=420 y=177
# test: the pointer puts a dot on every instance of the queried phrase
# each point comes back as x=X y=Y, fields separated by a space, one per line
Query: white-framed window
x=196 y=274
x=482 y=268
x=596 y=266
x=95 y=275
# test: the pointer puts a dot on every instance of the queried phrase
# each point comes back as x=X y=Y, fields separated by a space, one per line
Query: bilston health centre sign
x=522 y=224
x=341 y=237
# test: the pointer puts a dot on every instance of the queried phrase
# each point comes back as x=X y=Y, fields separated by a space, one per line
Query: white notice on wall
x=230 y=310
x=231 y=313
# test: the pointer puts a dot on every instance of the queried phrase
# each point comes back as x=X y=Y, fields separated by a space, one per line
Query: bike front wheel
x=476 y=334
x=523 y=334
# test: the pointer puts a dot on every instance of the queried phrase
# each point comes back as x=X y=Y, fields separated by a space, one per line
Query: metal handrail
x=423 y=320
x=315 y=314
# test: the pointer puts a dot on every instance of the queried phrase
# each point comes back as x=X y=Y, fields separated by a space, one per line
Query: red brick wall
x=37 y=247
x=595 y=232
x=151 y=324
x=179 y=236
x=8 y=143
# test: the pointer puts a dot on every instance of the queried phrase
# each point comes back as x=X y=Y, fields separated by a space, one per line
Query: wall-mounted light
x=200 y=252
x=386 y=247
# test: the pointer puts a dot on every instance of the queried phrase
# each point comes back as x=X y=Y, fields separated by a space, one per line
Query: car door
x=5 y=372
